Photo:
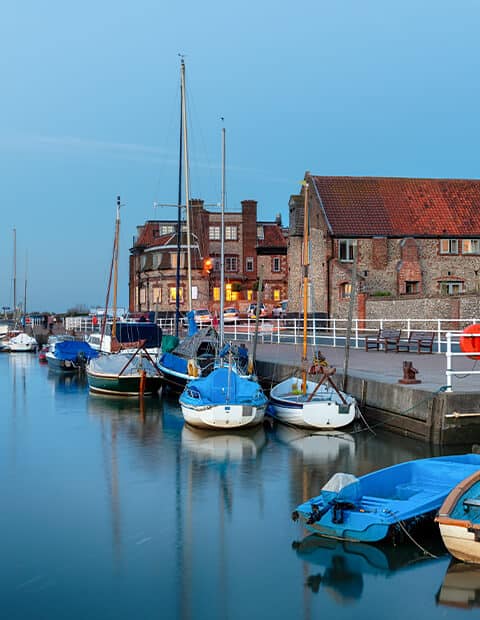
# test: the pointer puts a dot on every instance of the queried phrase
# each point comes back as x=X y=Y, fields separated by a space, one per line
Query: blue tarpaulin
x=71 y=349
x=174 y=362
x=133 y=332
x=223 y=386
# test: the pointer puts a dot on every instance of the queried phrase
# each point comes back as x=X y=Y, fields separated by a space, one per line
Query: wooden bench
x=388 y=339
x=418 y=342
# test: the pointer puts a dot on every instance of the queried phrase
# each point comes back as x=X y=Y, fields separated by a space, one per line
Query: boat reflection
x=461 y=586
x=220 y=446
x=67 y=382
x=344 y=564
x=317 y=447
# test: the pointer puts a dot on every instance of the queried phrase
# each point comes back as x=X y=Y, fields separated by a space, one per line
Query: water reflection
x=67 y=382
x=223 y=447
x=344 y=564
x=317 y=448
x=461 y=586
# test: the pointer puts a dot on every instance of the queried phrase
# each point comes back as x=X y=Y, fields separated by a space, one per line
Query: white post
x=449 y=362
x=439 y=336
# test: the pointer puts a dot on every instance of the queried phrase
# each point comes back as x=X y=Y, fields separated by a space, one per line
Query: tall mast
x=15 y=273
x=222 y=247
x=179 y=215
x=25 y=289
x=115 y=267
x=187 y=190
x=305 y=262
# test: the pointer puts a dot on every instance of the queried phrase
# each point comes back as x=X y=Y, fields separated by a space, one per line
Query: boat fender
x=471 y=343
x=192 y=368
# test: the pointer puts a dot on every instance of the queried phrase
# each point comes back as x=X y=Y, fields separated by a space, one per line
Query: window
x=249 y=294
x=448 y=246
x=156 y=295
x=276 y=264
x=216 y=293
x=231 y=263
x=143 y=295
x=249 y=263
x=260 y=233
x=167 y=229
x=345 y=250
x=230 y=233
x=451 y=287
x=412 y=287
x=156 y=260
x=471 y=246
x=214 y=233
x=173 y=260
x=345 y=290
x=228 y=292
x=276 y=294
x=172 y=294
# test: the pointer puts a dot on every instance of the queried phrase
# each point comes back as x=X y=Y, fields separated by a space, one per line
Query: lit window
x=231 y=263
x=249 y=263
x=345 y=250
x=143 y=295
x=345 y=290
x=172 y=294
x=214 y=233
x=156 y=295
x=452 y=287
x=276 y=294
x=216 y=293
x=448 y=246
x=228 y=292
x=249 y=295
x=471 y=246
x=230 y=233
x=276 y=264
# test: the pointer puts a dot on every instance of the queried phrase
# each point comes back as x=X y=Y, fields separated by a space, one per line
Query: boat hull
x=459 y=520
x=325 y=411
x=223 y=416
x=59 y=365
x=124 y=385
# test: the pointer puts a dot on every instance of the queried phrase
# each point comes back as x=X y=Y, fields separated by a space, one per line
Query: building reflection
x=461 y=586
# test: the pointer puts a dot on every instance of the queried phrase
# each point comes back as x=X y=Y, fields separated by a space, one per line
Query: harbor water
x=114 y=509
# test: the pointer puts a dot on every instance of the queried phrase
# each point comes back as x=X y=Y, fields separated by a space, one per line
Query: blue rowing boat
x=384 y=502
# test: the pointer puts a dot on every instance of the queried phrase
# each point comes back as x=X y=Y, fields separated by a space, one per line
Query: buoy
x=471 y=344
x=192 y=368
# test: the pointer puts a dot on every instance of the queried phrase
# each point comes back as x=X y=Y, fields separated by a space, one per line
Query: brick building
x=415 y=239
x=249 y=246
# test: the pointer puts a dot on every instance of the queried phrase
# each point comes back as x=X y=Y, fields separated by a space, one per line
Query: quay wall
x=439 y=418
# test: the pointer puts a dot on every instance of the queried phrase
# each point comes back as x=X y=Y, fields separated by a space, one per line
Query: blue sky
x=89 y=110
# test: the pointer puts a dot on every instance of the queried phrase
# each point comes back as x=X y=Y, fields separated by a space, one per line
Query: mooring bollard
x=409 y=374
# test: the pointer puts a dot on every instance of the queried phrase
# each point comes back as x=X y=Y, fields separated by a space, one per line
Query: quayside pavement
x=382 y=366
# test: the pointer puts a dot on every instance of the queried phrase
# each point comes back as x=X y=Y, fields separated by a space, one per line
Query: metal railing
x=452 y=352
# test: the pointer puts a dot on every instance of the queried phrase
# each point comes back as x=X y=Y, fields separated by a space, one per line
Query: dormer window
x=260 y=233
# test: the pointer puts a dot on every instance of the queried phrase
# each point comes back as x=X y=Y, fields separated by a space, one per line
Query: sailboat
x=194 y=356
x=303 y=402
x=228 y=397
x=123 y=374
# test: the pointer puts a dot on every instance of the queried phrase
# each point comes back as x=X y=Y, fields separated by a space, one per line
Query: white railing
x=327 y=332
x=452 y=352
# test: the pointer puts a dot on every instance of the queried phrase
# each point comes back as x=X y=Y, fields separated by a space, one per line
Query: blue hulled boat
x=379 y=504
x=69 y=355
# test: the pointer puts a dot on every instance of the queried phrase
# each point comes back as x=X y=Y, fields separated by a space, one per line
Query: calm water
x=108 y=511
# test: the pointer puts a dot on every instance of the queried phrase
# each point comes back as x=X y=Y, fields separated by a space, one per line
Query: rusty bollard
x=409 y=374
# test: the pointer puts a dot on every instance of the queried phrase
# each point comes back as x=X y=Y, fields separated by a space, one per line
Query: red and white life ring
x=471 y=343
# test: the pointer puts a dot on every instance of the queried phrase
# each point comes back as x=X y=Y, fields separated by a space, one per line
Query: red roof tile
x=273 y=236
x=398 y=207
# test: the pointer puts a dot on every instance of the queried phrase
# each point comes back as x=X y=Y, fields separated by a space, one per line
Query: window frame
x=473 y=241
x=451 y=242
x=231 y=261
x=250 y=262
x=231 y=232
x=276 y=260
x=348 y=244
x=213 y=231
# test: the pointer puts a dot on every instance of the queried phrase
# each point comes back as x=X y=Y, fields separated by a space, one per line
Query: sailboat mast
x=222 y=248
x=306 y=262
x=179 y=216
x=187 y=190
x=115 y=267
x=15 y=273
x=25 y=288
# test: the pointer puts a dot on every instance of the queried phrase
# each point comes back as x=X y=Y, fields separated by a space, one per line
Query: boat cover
x=190 y=345
x=23 y=338
x=134 y=332
x=71 y=349
x=173 y=362
x=223 y=386
x=114 y=365
x=169 y=343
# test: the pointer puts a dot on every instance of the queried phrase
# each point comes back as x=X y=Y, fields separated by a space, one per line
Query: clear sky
x=89 y=109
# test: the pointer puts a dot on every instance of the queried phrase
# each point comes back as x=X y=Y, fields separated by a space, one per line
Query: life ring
x=471 y=344
x=192 y=368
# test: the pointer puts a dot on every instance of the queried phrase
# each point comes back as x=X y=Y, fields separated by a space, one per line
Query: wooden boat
x=387 y=502
x=123 y=374
x=307 y=403
x=459 y=520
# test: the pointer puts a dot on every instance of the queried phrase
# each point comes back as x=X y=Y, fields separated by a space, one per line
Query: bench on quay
x=386 y=339
x=418 y=342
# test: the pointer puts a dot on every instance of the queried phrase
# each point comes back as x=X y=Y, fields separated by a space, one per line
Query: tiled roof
x=398 y=207
x=273 y=236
